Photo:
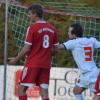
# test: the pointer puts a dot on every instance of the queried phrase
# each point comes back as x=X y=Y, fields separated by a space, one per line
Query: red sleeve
x=29 y=36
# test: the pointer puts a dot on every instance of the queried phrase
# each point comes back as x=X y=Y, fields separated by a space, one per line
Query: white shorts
x=87 y=80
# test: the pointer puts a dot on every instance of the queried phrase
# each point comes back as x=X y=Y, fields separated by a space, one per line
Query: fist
x=12 y=61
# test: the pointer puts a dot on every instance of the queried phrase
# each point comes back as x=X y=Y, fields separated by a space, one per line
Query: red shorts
x=35 y=75
x=97 y=85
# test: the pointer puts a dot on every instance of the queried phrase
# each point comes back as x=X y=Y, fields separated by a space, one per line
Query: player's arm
x=60 y=46
x=25 y=50
x=56 y=48
x=69 y=45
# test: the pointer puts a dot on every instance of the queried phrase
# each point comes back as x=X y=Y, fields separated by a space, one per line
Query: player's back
x=44 y=37
x=83 y=50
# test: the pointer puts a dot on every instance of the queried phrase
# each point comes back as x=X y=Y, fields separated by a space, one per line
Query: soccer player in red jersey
x=97 y=87
x=40 y=39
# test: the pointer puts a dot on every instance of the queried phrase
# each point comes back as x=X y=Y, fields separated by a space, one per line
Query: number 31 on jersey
x=88 y=53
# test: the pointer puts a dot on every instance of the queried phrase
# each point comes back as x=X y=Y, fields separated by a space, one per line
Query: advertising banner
x=62 y=81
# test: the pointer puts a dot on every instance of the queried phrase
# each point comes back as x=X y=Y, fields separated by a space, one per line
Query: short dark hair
x=77 y=29
x=36 y=8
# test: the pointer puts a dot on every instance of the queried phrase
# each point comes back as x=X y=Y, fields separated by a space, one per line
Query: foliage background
x=61 y=23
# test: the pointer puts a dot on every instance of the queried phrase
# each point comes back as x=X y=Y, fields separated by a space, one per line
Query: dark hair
x=77 y=30
x=36 y=8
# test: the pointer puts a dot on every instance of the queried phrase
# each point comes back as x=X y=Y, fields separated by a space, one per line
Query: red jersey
x=42 y=36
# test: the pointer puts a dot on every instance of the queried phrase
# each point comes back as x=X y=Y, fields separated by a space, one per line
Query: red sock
x=46 y=99
x=23 y=97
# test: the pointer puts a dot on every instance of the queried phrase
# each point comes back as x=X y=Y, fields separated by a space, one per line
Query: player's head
x=75 y=30
x=35 y=10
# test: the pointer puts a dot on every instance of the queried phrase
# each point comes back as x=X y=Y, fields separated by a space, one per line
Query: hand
x=12 y=61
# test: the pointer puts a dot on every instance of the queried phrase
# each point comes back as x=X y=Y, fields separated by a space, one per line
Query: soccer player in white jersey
x=82 y=50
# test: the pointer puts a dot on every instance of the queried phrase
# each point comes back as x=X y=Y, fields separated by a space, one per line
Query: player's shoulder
x=91 y=38
x=80 y=40
x=34 y=26
x=51 y=26
x=88 y=38
x=71 y=41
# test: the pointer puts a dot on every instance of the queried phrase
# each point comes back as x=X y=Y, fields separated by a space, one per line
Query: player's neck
x=38 y=19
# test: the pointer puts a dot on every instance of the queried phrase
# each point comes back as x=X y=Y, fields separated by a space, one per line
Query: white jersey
x=82 y=51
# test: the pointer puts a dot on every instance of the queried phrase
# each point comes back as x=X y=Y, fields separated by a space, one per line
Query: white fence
x=62 y=81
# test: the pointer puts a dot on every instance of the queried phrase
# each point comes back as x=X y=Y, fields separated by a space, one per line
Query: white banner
x=62 y=81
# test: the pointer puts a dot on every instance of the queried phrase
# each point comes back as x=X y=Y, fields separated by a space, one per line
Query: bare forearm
x=23 y=53
x=60 y=46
